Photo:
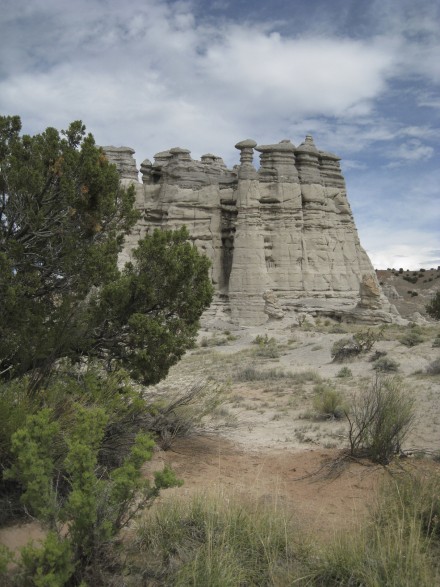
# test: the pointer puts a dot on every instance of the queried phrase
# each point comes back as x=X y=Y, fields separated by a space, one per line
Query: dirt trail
x=324 y=503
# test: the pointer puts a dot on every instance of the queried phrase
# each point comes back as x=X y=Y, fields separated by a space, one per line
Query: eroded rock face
x=280 y=239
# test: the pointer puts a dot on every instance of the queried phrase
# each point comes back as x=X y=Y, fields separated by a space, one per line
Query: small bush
x=328 y=403
x=386 y=365
x=433 y=307
x=182 y=413
x=338 y=329
x=253 y=374
x=412 y=338
x=213 y=341
x=380 y=419
x=434 y=367
x=344 y=350
x=344 y=372
x=82 y=504
x=377 y=355
x=305 y=377
x=361 y=342
x=267 y=347
x=366 y=339
x=436 y=341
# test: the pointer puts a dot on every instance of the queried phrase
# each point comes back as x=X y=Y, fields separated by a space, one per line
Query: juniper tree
x=63 y=219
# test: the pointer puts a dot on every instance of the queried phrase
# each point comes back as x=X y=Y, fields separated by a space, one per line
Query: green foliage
x=385 y=365
x=75 y=332
x=83 y=504
x=213 y=541
x=5 y=559
x=15 y=406
x=328 y=402
x=63 y=215
x=433 y=307
x=63 y=218
x=361 y=342
x=252 y=374
x=267 y=347
x=344 y=349
x=50 y=565
x=413 y=337
x=344 y=372
x=379 y=420
x=34 y=465
x=398 y=546
x=149 y=317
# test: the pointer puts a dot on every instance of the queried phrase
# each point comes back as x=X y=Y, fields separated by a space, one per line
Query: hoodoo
x=280 y=239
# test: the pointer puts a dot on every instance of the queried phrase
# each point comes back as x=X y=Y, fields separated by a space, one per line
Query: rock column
x=248 y=280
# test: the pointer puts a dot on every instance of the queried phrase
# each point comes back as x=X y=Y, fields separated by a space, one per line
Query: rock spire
x=280 y=239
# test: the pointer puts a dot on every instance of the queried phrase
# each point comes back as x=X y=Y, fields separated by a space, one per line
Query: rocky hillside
x=409 y=291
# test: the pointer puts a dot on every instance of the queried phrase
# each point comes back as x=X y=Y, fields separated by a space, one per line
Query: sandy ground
x=266 y=441
x=323 y=498
x=263 y=438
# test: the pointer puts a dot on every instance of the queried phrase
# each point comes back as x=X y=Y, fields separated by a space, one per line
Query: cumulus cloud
x=159 y=69
x=164 y=73
x=414 y=150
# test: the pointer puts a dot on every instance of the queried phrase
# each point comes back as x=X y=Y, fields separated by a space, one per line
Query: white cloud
x=414 y=150
x=152 y=75
x=410 y=249
x=156 y=71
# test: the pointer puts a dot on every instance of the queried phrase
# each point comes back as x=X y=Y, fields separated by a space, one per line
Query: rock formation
x=280 y=239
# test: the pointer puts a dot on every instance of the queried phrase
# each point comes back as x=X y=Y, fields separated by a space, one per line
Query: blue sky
x=361 y=76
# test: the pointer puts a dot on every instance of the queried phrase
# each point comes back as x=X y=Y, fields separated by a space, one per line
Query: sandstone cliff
x=280 y=239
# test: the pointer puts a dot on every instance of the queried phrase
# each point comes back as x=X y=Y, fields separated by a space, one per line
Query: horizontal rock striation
x=280 y=239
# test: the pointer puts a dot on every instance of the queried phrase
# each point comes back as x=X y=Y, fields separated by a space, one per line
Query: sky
x=361 y=76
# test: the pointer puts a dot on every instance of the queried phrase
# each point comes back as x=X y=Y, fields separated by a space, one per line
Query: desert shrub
x=5 y=559
x=219 y=541
x=412 y=338
x=252 y=374
x=380 y=419
x=366 y=339
x=267 y=347
x=436 y=341
x=386 y=365
x=15 y=406
x=213 y=341
x=434 y=367
x=82 y=504
x=261 y=340
x=337 y=329
x=361 y=342
x=328 y=402
x=306 y=377
x=182 y=413
x=344 y=350
x=433 y=307
x=344 y=372
x=377 y=355
x=48 y=564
